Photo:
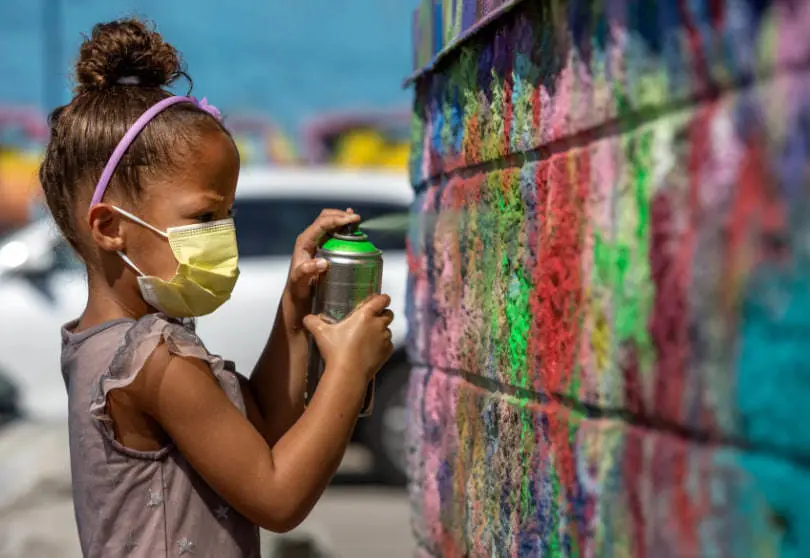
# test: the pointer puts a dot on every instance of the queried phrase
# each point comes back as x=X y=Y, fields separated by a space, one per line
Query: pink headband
x=136 y=129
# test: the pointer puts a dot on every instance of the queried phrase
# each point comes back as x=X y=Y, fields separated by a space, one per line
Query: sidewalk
x=36 y=511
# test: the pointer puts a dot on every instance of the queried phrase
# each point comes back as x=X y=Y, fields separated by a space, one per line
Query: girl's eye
x=211 y=216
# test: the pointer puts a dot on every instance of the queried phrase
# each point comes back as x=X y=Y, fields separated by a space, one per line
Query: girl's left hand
x=305 y=268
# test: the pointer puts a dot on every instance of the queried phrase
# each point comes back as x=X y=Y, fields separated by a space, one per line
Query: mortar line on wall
x=591 y=411
x=613 y=127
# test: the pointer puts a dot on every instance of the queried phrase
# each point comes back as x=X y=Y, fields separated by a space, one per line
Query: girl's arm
x=277 y=486
x=278 y=381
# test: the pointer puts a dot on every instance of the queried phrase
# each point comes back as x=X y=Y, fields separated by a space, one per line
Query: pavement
x=363 y=522
x=354 y=519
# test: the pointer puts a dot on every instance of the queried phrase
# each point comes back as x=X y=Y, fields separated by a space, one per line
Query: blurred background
x=311 y=90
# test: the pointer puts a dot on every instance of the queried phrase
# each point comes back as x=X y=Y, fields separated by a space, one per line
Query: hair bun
x=127 y=50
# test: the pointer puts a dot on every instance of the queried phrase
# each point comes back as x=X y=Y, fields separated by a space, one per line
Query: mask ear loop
x=140 y=221
x=130 y=263
x=143 y=223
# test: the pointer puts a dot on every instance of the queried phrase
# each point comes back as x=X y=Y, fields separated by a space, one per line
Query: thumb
x=306 y=271
x=315 y=325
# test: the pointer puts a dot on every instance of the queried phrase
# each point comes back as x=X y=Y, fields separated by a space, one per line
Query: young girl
x=173 y=453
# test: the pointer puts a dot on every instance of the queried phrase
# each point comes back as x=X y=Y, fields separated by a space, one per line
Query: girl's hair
x=123 y=69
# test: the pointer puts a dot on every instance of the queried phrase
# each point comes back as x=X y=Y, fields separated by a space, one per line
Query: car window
x=269 y=227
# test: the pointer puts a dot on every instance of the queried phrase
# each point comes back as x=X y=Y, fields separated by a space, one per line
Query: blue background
x=291 y=59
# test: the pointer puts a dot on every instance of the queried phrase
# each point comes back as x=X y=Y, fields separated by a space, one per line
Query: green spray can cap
x=349 y=239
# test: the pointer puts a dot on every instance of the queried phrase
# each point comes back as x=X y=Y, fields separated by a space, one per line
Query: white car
x=43 y=285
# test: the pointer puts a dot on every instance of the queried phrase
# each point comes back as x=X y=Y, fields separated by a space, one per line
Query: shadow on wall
x=610 y=279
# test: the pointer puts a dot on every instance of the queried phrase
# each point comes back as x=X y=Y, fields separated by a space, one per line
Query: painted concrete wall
x=610 y=279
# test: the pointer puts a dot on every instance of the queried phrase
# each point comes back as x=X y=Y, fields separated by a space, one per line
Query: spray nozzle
x=348 y=230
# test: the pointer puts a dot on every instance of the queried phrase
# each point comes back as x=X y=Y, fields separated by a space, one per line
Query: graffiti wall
x=22 y=134
x=610 y=278
x=260 y=141
x=367 y=139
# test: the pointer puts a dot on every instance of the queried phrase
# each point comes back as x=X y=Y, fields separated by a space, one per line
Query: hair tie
x=129 y=80
x=210 y=109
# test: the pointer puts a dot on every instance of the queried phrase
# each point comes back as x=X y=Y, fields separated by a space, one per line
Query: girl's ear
x=105 y=227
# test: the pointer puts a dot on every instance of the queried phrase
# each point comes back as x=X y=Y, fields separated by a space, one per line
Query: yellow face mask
x=208 y=267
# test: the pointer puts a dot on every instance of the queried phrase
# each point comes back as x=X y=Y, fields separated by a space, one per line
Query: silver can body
x=350 y=279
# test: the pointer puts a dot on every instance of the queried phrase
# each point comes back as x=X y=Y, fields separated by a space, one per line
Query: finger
x=387 y=316
x=323 y=225
x=315 y=325
x=332 y=212
x=375 y=304
x=388 y=335
x=329 y=212
x=308 y=270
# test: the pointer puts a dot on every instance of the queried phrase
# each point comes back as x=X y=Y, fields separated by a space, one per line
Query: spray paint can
x=354 y=274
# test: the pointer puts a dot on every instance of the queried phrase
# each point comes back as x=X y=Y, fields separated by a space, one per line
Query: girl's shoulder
x=143 y=336
x=129 y=331
x=136 y=346
x=161 y=327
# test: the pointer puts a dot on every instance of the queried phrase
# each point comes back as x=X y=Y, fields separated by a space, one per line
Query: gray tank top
x=134 y=503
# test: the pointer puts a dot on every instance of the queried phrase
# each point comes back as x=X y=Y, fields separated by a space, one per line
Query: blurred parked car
x=9 y=401
x=43 y=285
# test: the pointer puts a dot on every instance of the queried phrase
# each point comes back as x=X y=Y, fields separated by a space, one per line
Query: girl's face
x=199 y=190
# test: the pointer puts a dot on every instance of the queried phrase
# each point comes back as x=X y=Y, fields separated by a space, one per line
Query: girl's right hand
x=361 y=341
